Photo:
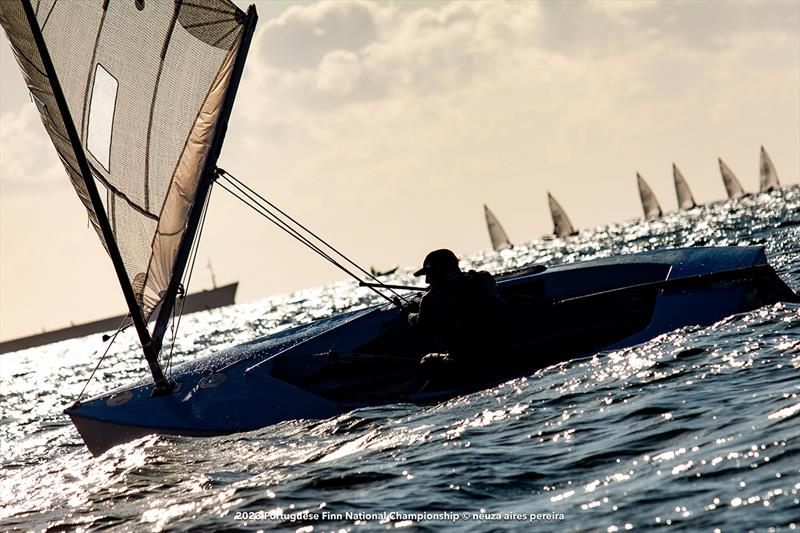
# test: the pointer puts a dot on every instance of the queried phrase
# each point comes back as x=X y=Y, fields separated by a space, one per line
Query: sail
x=562 y=227
x=496 y=232
x=768 y=175
x=732 y=185
x=685 y=198
x=649 y=203
x=135 y=96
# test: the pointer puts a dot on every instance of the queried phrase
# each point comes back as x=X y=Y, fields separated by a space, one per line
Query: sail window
x=101 y=115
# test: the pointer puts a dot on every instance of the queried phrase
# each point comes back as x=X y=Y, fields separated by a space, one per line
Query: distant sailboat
x=768 y=176
x=732 y=185
x=378 y=273
x=496 y=232
x=649 y=203
x=562 y=227
x=685 y=198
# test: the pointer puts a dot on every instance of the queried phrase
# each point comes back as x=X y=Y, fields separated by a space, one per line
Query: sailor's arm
x=422 y=317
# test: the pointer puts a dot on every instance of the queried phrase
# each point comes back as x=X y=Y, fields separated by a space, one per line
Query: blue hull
x=368 y=357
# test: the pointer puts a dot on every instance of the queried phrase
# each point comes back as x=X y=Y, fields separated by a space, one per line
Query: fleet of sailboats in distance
x=651 y=208
x=146 y=196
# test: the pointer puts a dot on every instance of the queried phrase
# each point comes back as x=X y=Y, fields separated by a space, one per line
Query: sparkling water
x=698 y=429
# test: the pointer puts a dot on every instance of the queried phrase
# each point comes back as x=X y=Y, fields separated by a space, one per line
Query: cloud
x=455 y=93
x=338 y=73
x=320 y=59
x=303 y=35
x=28 y=161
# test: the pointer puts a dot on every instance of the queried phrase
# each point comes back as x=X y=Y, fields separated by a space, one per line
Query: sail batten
x=135 y=97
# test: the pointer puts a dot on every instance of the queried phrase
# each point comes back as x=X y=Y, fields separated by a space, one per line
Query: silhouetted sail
x=685 y=198
x=135 y=95
x=649 y=203
x=378 y=273
x=732 y=185
x=496 y=232
x=562 y=227
x=768 y=176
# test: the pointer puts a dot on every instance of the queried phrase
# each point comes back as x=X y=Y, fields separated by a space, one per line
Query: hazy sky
x=385 y=127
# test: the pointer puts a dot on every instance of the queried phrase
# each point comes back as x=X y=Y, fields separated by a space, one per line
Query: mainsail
x=649 y=203
x=496 y=232
x=562 y=227
x=135 y=95
x=685 y=198
x=768 y=175
x=732 y=185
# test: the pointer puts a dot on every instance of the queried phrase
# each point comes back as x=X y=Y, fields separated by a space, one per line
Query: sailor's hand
x=411 y=307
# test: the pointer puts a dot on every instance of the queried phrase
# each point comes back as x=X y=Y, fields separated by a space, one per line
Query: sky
x=385 y=127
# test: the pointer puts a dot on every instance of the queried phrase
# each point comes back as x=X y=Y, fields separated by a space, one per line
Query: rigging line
x=172 y=344
x=113 y=338
x=272 y=217
x=296 y=235
x=286 y=228
x=275 y=219
x=283 y=225
x=188 y=276
x=231 y=177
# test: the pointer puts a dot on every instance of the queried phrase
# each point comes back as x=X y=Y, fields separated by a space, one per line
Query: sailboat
x=732 y=185
x=136 y=97
x=562 y=227
x=497 y=234
x=685 y=198
x=650 y=205
x=378 y=273
x=768 y=176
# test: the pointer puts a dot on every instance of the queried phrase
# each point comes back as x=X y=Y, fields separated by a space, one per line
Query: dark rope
x=252 y=203
x=263 y=211
x=188 y=277
x=234 y=181
x=301 y=226
x=296 y=235
x=113 y=338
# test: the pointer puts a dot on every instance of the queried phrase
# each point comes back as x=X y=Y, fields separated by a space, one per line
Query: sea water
x=696 y=430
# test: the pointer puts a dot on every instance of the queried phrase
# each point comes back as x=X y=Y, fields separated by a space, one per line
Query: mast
x=208 y=175
x=100 y=213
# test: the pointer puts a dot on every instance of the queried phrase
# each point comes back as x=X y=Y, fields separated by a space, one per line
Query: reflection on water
x=698 y=428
